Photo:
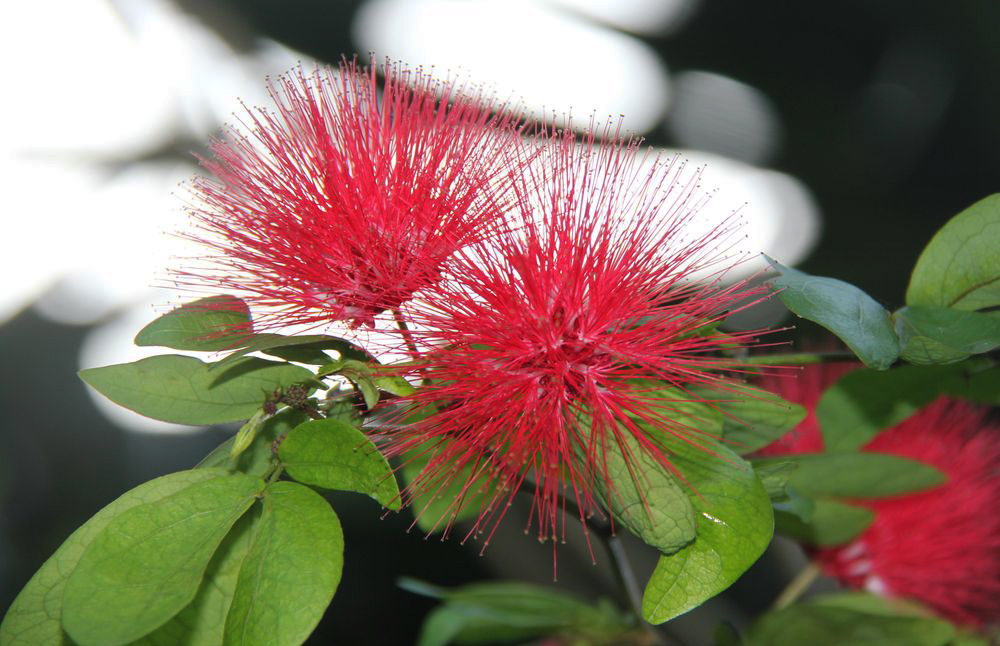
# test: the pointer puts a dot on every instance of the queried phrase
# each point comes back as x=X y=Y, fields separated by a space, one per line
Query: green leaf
x=818 y=625
x=257 y=459
x=35 y=617
x=698 y=409
x=332 y=454
x=184 y=390
x=359 y=373
x=291 y=571
x=857 y=474
x=208 y=324
x=203 y=621
x=854 y=316
x=832 y=523
x=960 y=266
x=439 y=503
x=735 y=525
x=147 y=564
x=932 y=335
x=643 y=495
x=277 y=343
x=774 y=475
x=864 y=402
x=755 y=418
x=509 y=611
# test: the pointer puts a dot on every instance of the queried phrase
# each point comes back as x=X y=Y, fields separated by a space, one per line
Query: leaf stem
x=797 y=586
x=799 y=358
x=404 y=329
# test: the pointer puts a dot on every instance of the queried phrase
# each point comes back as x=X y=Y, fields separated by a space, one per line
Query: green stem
x=797 y=586
x=404 y=329
x=799 y=359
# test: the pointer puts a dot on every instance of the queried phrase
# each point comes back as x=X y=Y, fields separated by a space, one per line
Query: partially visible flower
x=350 y=197
x=942 y=546
x=543 y=349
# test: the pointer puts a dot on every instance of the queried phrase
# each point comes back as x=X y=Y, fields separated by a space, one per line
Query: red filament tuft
x=545 y=350
x=351 y=195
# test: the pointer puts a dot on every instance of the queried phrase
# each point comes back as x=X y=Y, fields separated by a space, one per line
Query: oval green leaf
x=208 y=324
x=819 y=625
x=863 y=402
x=643 y=495
x=754 y=418
x=857 y=474
x=332 y=454
x=735 y=525
x=831 y=523
x=185 y=390
x=147 y=564
x=854 y=316
x=291 y=571
x=203 y=621
x=931 y=335
x=960 y=266
x=35 y=617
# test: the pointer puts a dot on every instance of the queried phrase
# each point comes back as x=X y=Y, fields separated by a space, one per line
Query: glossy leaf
x=291 y=571
x=832 y=523
x=35 y=617
x=819 y=625
x=960 y=266
x=184 y=390
x=854 y=316
x=643 y=495
x=203 y=621
x=864 y=402
x=332 y=454
x=257 y=459
x=209 y=324
x=735 y=525
x=931 y=335
x=857 y=475
x=147 y=564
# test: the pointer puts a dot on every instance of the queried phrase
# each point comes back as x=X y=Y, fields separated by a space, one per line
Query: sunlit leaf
x=184 y=390
x=735 y=525
x=147 y=564
x=291 y=571
x=35 y=617
x=208 y=324
x=332 y=454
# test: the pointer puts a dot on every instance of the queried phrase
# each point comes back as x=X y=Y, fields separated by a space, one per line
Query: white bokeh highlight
x=525 y=50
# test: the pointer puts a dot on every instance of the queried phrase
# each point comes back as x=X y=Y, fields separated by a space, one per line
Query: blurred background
x=850 y=130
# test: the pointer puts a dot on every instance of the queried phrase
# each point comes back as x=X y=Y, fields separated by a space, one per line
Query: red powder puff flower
x=346 y=201
x=540 y=350
x=940 y=547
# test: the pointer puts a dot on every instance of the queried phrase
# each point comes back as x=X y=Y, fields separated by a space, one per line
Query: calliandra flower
x=940 y=547
x=542 y=351
x=351 y=195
